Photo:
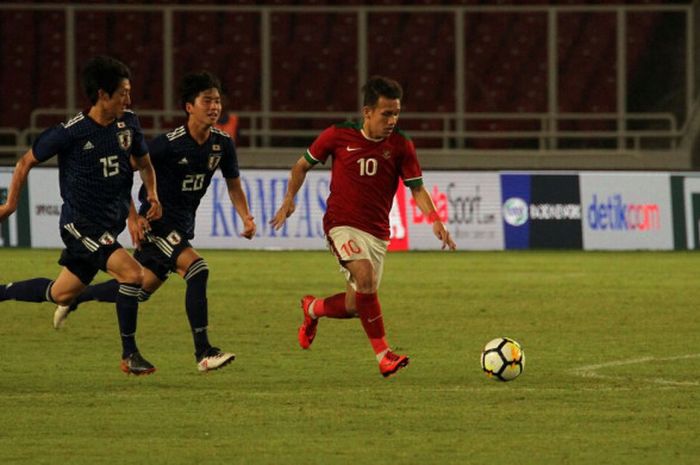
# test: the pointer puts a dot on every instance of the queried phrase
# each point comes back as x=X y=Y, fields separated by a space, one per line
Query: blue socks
x=127 y=314
x=196 y=304
x=102 y=292
x=31 y=290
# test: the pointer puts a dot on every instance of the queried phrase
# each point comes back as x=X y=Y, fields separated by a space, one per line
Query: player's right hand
x=249 y=227
x=138 y=227
x=156 y=210
x=284 y=212
x=444 y=236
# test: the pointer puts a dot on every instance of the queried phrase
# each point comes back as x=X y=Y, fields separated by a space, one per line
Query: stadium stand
x=314 y=59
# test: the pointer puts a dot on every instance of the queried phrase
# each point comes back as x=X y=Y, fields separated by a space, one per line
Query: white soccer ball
x=503 y=359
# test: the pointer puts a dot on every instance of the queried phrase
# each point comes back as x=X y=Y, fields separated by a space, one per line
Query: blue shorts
x=88 y=247
x=160 y=250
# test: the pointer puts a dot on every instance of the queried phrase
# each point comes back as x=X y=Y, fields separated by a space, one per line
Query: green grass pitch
x=612 y=342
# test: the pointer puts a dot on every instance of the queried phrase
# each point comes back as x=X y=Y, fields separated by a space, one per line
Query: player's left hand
x=444 y=235
x=249 y=227
x=156 y=210
x=284 y=212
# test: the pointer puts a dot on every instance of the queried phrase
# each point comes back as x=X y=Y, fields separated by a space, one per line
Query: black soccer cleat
x=135 y=364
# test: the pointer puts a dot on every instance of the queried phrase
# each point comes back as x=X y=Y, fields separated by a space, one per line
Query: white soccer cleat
x=213 y=359
x=60 y=315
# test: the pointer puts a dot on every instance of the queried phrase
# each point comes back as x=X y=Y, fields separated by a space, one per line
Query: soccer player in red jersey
x=368 y=161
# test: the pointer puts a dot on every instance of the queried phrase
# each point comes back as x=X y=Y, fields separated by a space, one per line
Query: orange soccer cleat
x=307 y=330
x=391 y=363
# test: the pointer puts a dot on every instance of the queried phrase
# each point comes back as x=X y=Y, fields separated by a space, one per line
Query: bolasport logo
x=613 y=213
x=515 y=211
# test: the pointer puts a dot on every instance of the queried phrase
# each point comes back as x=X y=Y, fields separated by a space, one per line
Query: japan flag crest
x=124 y=138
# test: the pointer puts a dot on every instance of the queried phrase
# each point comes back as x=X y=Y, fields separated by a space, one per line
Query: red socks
x=371 y=316
x=368 y=309
x=331 y=307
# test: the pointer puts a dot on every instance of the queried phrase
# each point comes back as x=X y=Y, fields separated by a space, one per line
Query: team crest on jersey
x=121 y=124
x=216 y=147
x=386 y=154
x=124 y=138
x=214 y=159
x=174 y=238
x=106 y=239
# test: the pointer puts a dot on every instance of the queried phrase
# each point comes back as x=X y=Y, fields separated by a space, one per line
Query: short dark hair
x=103 y=72
x=194 y=83
x=380 y=86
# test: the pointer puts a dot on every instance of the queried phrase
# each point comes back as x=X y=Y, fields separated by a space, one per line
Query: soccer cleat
x=135 y=364
x=391 y=363
x=213 y=359
x=307 y=330
x=60 y=315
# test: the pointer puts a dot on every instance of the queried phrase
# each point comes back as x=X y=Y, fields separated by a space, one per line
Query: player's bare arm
x=148 y=176
x=426 y=205
x=240 y=203
x=296 y=180
x=19 y=178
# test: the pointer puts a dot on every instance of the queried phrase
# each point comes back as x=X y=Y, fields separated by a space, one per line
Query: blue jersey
x=95 y=175
x=184 y=170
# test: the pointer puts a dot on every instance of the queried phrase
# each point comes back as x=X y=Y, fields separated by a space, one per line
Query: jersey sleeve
x=157 y=148
x=139 y=147
x=51 y=142
x=410 y=168
x=229 y=160
x=322 y=147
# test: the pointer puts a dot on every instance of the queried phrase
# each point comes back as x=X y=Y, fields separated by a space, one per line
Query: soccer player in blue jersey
x=95 y=150
x=185 y=161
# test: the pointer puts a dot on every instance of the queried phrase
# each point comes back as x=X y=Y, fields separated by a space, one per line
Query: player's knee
x=366 y=284
x=133 y=275
x=364 y=277
x=62 y=298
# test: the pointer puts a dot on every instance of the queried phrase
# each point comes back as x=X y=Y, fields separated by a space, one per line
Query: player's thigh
x=124 y=268
x=66 y=287
x=361 y=254
x=362 y=272
x=186 y=258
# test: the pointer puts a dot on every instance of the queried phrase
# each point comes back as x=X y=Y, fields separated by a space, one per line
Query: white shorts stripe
x=70 y=227
x=89 y=244
x=163 y=245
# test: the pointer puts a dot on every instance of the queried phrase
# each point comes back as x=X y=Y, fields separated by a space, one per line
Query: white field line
x=591 y=371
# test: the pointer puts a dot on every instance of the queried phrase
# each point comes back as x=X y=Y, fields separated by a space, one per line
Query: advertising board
x=626 y=211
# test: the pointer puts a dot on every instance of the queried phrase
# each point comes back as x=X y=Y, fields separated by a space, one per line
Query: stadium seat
x=18 y=64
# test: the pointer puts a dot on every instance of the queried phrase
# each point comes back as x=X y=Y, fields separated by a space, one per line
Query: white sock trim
x=311 y=310
x=381 y=355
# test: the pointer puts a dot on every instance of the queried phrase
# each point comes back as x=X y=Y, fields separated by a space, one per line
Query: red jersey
x=364 y=176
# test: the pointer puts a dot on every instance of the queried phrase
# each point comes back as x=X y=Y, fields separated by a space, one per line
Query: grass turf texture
x=611 y=340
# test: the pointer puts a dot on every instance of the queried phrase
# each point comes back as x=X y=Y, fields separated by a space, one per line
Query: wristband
x=433 y=217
